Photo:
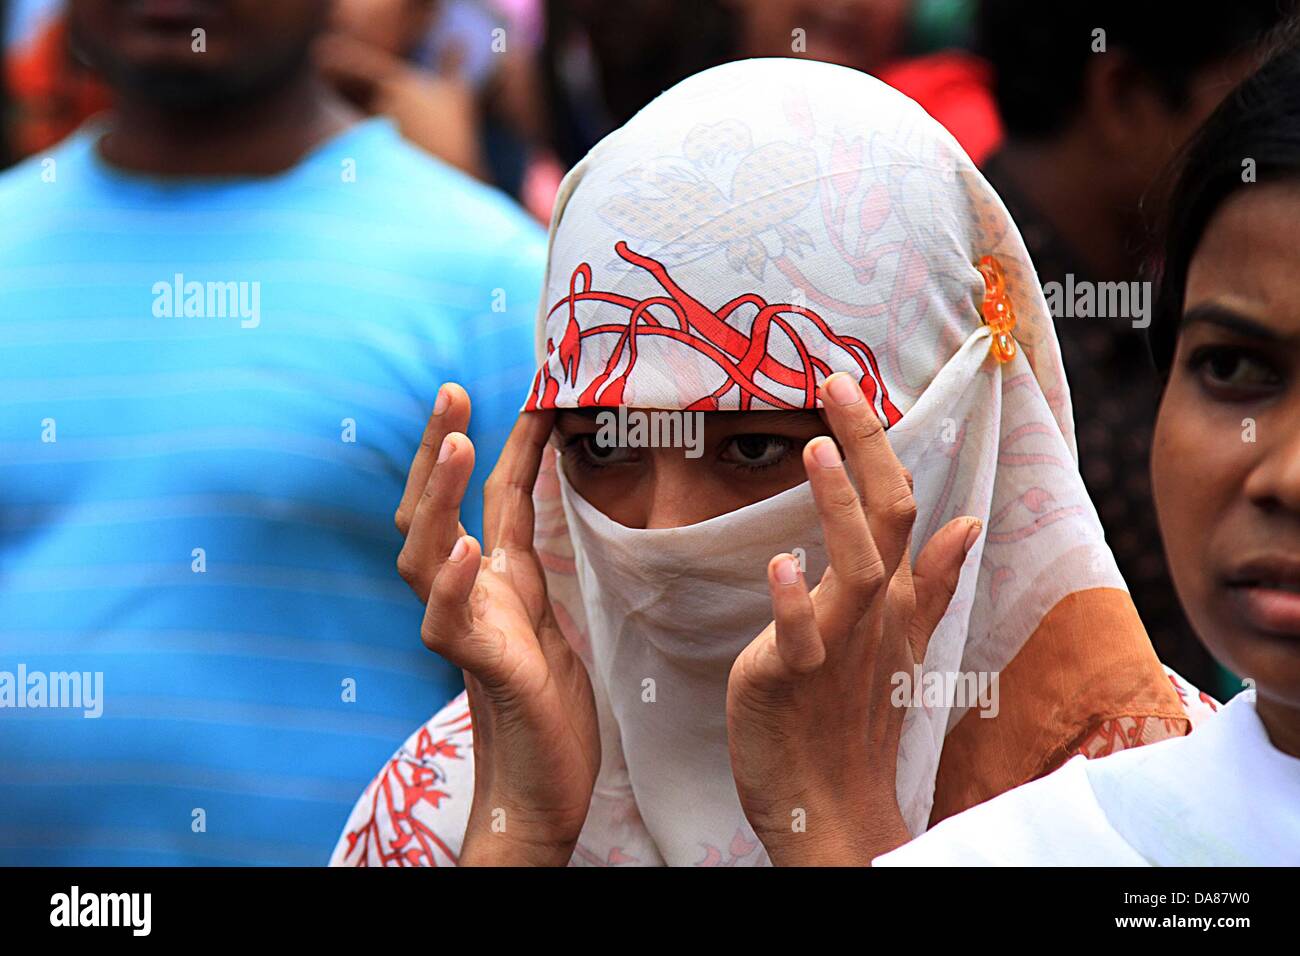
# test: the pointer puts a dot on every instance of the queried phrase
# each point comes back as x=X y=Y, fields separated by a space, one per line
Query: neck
x=1282 y=723
x=255 y=136
x=1065 y=185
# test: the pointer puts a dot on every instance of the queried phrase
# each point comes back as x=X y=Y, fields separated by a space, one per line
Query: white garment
x=822 y=198
x=676 y=608
x=1221 y=796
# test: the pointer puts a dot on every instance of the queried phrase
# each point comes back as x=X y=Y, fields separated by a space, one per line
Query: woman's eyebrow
x=579 y=419
x=1231 y=321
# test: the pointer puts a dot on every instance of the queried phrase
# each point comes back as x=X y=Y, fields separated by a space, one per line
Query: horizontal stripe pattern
x=211 y=527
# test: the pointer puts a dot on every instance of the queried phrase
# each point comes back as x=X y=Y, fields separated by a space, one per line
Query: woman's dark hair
x=1253 y=137
x=637 y=49
x=1040 y=50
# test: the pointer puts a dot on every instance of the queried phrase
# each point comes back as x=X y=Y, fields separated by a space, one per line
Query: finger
x=508 y=492
x=448 y=627
x=857 y=572
x=436 y=523
x=900 y=593
x=935 y=578
x=451 y=412
x=797 y=639
x=883 y=482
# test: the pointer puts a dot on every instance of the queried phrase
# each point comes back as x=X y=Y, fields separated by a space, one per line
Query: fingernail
x=843 y=390
x=448 y=446
x=973 y=534
x=826 y=454
x=787 y=571
x=458 y=551
x=440 y=404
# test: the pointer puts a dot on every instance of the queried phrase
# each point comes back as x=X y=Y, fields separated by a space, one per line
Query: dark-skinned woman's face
x=1226 y=457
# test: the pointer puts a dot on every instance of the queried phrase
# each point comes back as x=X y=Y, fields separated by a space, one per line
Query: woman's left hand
x=813 y=734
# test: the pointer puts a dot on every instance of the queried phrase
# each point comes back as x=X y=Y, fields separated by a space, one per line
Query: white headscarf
x=768 y=222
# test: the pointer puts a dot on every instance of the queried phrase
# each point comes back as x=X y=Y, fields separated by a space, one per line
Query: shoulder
x=1053 y=821
x=415 y=810
x=32 y=182
x=19 y=182
x=417 y=186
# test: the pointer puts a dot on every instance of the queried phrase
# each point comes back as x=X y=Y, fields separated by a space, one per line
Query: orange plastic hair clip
x=999 y=315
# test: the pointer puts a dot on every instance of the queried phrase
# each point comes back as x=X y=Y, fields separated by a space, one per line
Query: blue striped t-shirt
x=210 y=392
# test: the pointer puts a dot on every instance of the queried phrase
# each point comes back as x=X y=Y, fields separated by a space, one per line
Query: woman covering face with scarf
x=877 y=540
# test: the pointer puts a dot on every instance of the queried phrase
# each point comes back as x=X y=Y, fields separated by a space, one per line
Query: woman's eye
x=1235 y=369
x=596 y=455
x=756 y=451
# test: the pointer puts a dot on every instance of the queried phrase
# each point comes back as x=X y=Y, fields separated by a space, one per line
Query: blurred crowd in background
x=516 y=91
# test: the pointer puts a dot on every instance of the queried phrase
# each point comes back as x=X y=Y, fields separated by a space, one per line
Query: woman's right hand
x=536 y=744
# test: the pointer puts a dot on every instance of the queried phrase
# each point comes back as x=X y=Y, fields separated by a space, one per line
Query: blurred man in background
x=225 y=312
x=1096 y=99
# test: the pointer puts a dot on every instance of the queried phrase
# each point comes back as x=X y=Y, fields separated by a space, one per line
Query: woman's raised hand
x=812 y=730
x=536 y=745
